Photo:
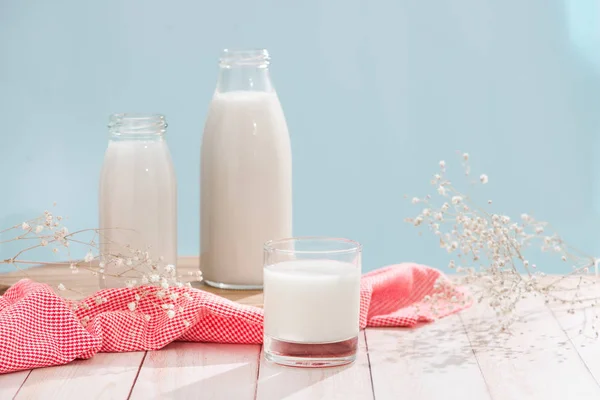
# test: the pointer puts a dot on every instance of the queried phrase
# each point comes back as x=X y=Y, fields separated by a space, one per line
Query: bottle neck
x=244 y=78
x=244 y=70
x=140 y=127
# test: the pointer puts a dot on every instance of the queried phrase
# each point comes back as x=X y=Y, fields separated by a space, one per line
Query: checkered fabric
x=39 y=328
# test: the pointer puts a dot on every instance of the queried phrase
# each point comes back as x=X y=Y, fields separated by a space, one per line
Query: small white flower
x=25 y=226
x=88 y=257
x=119 y=262
x=154 y=278
x=98 y=300
x=170 y=313
x=160 y=294
x=438 y=216
x=187 y=296
x=445 y=207
x=174 y=296
x=415 y=200
x=147 y=317
x=131 y=306
x=170 y=268
x=442 y=164
x=55 y=250
x=456 y=200
x=539 y=230
x=61 y=287
x=137 y=297
x=168 y=306
x=418 y=221
x=426 y=212
x=466 y=156
x=128 y=262
x=483 y=178
x=525 y=217
x=39 y=228
x=563 y=258
x=441 y=190
x=186 y=323
x=44 y=242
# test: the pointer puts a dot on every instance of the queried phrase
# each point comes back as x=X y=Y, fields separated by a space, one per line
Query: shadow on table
x=445 y=347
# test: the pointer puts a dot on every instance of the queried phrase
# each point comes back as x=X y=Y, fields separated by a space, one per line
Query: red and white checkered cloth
x=39 y=328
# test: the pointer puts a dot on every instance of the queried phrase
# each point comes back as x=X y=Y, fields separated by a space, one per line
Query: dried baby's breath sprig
x=150 y=279
x=489 y=251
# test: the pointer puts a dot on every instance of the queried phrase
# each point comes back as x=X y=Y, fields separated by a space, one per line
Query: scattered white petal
x=88 y=257
x=61 y=287
x=170 y=313
x=131 y=306
x=483 y=178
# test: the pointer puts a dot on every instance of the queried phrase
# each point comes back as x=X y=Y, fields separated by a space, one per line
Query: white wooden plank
x=582 y=325
x=424 y=362
x=10 y=383
x=346 y=382
x=199 y=370
x=104 y=376
x=535 y=361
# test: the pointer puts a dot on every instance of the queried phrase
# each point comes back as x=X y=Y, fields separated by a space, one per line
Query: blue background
x=375 y=93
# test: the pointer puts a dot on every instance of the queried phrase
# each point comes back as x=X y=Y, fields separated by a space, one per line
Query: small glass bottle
x=138 y=199
x=246 y=173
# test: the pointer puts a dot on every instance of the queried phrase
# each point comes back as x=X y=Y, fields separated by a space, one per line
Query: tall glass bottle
x=138 y=199
x=246 y=173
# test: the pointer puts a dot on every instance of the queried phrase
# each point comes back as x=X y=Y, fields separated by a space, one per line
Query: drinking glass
x=311 y=301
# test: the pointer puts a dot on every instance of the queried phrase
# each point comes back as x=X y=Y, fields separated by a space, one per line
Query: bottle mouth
x=137 y=125
x=244 y=58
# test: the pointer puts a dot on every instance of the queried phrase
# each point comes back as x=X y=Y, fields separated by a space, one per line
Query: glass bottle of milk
x=138 y=199
x=246 y=173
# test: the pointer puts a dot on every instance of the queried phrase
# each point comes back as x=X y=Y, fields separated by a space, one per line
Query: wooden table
x=458 y=357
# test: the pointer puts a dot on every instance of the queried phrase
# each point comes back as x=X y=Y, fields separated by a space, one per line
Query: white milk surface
x=246 y=185
x=312 y=301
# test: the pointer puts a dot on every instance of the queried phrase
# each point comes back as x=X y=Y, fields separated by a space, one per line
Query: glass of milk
x=311 y=301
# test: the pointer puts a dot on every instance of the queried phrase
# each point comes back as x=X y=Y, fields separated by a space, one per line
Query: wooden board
x=11 y=383
x=84 y=283
x=424 y=362
x=199 y=370
x=535 y=361
x=104 y=376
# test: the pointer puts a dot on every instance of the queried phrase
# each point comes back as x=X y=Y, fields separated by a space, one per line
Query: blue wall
x=375 y=92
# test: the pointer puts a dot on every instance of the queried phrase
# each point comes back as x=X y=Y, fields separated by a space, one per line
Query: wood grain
x=10 y=383
x=582 y=326
x=424 y=362
x=104 y=376
x=199 y=370
x=84 y=283
x=535 y=361
x=353 y=381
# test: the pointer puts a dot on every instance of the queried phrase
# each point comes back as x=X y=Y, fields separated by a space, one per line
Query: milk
x=312 y=301
x=246 y=192
x=138 y=202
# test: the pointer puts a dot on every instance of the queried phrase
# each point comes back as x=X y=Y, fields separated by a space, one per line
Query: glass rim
x=270 y=246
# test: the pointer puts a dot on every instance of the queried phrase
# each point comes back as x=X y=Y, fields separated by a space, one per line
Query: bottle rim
x=137 y=125
x=231 y=58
